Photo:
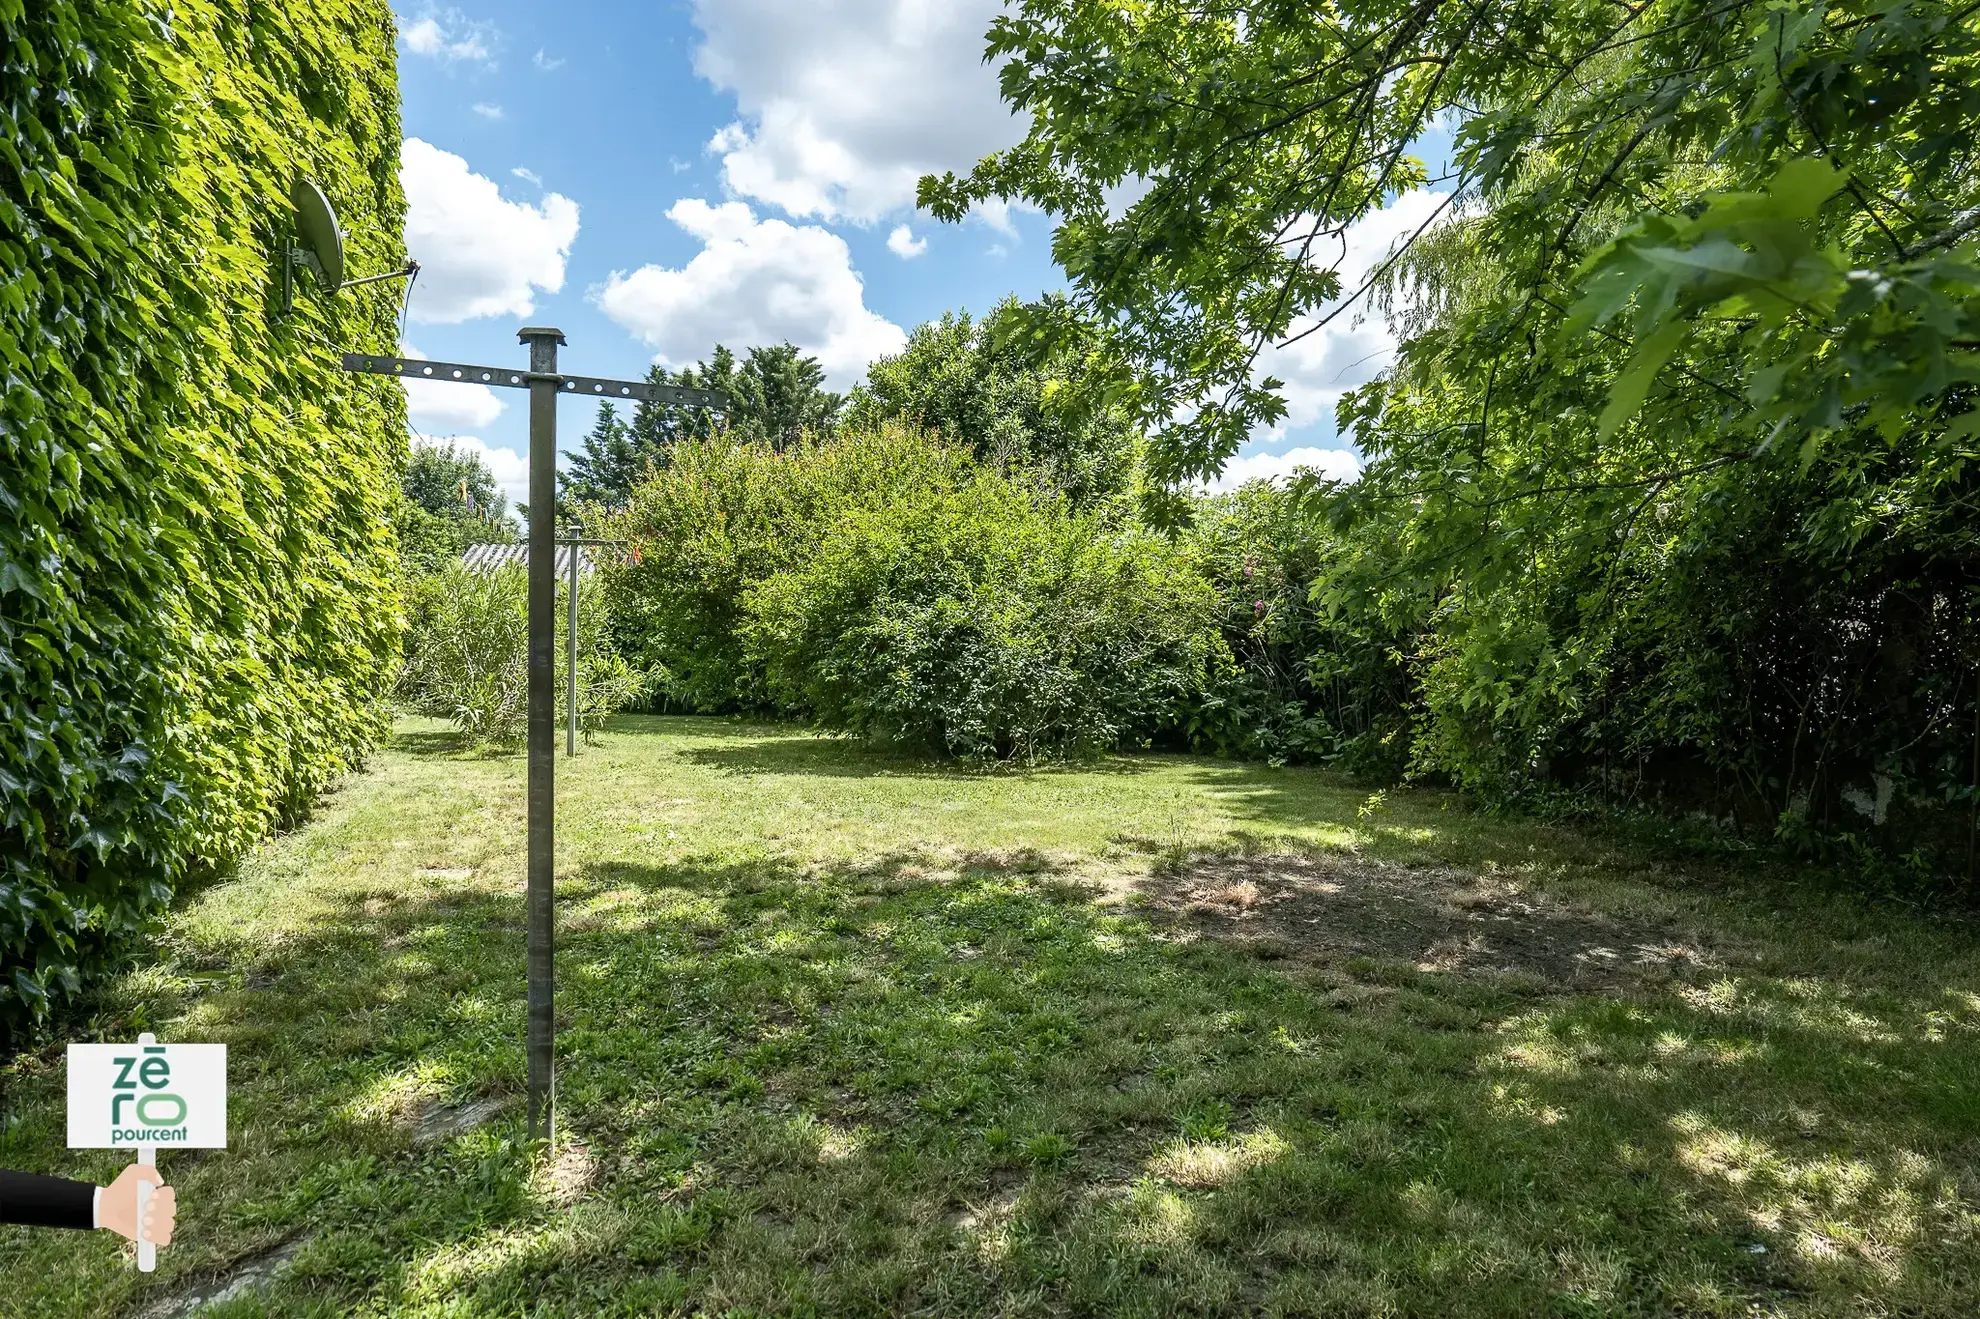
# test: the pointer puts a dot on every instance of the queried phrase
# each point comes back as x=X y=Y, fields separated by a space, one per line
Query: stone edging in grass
x=260 y=1269
x=250 y=1274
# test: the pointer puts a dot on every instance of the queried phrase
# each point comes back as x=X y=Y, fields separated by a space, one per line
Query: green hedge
x=196 y=559
x=720 y=518
x=888 y=584
x=989 y=623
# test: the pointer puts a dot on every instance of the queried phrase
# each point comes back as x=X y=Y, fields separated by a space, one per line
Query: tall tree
x=450 y=500
x=610 y=462
x=776 y=395
x=1787 y=184
x=453 y=483
x=780 y=395
x=1675 y=476
x=981 y=384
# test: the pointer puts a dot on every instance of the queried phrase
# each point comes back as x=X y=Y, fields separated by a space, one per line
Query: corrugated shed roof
x=487 y=558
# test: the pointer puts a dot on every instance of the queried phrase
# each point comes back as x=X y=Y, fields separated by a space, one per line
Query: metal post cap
x=529 y=332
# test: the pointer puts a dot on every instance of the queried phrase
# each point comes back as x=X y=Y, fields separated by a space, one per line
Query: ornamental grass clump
x=467 y=659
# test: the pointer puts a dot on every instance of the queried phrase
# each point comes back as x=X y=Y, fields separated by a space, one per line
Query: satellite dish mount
x=319 y=245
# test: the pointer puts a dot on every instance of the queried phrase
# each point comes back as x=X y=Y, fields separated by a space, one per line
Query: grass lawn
x=849 y=1034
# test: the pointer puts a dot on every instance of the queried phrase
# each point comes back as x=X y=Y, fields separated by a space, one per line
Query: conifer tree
x=776 y=395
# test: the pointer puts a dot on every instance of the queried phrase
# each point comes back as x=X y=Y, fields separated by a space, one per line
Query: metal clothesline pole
x=577 y=546
x=541 y=899
x=544 y=383
x=570 y=654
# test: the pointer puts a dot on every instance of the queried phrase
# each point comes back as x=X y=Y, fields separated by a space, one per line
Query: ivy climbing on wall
x=197 y=609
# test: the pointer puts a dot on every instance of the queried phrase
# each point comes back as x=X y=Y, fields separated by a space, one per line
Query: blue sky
x=656 y=178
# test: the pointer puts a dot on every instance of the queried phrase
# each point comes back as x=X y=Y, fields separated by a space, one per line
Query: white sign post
x=144 y=1097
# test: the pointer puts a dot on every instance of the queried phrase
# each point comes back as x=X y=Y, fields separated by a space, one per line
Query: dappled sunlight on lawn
x=1204 y=1164
x=957 y=1069
x=1155 y=1215
x=396 y=1097
x=1827 y=1207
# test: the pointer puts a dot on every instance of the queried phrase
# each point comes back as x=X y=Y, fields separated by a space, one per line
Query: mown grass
x=845 y=1033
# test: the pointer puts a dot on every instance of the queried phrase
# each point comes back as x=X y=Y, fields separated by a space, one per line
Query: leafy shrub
x=987 y=623
x=468 y=656
x=1014 y=403
x=195 y=518
x=725 y=515
x=883 y=583
x=1779 y=657
x=607 y=684
x=1312 y=681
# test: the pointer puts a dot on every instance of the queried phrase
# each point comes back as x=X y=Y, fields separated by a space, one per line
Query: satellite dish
x=320 y=246
x=317 y=233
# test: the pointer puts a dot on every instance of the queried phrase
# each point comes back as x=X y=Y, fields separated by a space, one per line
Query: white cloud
x=996 y=212
x=844 y=104
x=526 y=175
x=479 y=255
x=1339 y=464
x=1324 y=365
x=511 y=469
x=1121 y=197
x=451 y=37
x=487 y=111
x=441 y=407
x=903 y=244
x=754 y=282
x=545 y=63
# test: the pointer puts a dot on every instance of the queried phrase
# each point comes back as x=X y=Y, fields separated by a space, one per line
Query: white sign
x=123 y=1096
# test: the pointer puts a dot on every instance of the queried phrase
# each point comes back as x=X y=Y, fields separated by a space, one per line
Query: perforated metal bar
x=461 y=373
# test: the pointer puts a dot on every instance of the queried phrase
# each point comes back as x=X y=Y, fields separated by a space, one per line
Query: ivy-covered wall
x=197 y=609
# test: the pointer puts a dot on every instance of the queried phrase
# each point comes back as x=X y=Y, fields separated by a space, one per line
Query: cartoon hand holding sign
x=144 y=1097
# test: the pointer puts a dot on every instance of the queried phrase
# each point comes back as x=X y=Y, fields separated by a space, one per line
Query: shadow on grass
x=1268 y=800
x=894 y=1088
x=428 y=742
x=826 y=756
x=821 y=757
x=1321 y=908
